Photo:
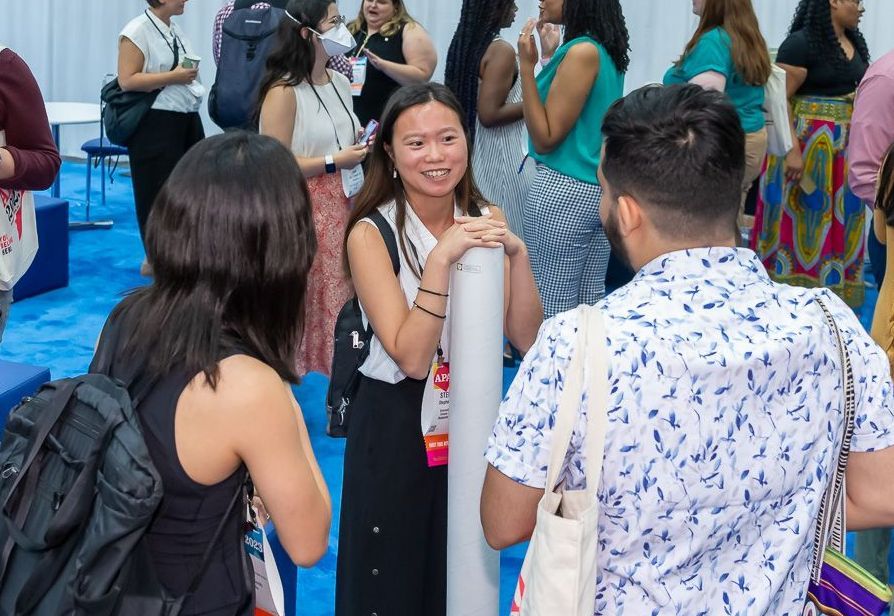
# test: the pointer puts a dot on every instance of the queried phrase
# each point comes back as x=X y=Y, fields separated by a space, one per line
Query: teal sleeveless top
x=578 y=155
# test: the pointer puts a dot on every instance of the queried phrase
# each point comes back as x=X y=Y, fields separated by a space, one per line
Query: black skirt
x=392 y=540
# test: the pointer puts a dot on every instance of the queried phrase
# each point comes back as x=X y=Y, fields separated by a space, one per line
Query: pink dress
x=328 y=288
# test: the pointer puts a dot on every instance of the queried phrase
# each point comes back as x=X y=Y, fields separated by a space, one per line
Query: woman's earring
x=394 y=173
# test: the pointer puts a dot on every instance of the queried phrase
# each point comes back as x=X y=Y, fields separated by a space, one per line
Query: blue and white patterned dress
x=725 y=419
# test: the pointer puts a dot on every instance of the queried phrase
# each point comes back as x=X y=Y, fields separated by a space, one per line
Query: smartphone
x=368 y=132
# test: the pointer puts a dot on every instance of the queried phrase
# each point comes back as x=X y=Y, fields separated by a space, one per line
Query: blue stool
x=50 y=267
x=99 y=150
x=16 y=382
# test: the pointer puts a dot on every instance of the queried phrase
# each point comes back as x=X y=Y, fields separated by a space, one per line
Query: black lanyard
x=175 y=49
x=326 y=109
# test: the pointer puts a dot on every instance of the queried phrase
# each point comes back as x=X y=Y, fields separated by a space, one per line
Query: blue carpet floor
x=59 y=329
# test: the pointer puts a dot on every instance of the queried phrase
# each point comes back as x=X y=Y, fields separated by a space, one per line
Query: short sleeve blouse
x=713 y=52
x=156 y=41
x=824 y=77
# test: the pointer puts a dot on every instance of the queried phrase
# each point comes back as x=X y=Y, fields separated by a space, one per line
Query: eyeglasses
x=858 y=3
x=341 y=19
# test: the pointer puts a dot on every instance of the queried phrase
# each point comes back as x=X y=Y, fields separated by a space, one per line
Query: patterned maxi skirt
x=814 y=239
x=327 y=287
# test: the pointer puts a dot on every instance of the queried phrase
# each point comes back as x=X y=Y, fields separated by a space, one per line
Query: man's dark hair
x=680 y=152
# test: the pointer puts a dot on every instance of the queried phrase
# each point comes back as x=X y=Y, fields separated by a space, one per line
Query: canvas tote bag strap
x=597 y=397
x=569 y=403
x=831 y=518
x=589 y=359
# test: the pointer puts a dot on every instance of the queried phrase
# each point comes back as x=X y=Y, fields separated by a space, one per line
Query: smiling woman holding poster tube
x=393 y=534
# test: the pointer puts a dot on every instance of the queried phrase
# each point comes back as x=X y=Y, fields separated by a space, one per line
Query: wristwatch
x=330 y=163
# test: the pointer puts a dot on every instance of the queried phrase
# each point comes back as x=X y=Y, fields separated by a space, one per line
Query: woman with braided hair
x=809 y=226
x=564 y=107
x=482 y=70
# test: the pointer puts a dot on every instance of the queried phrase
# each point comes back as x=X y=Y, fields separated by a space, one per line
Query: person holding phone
x=392 y=50
x=809 y=226
x=152 y=55
x=563 y=106
x=308 y=108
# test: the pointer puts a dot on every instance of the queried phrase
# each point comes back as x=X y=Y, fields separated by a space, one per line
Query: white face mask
x=337 y=41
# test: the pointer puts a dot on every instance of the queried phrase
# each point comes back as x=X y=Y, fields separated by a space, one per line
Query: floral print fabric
x=725 y=419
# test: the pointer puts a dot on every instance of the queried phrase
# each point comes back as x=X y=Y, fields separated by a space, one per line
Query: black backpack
x=247 y=39
x=352 y=346
x=78 y=490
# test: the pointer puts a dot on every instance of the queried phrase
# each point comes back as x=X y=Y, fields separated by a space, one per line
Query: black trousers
x=392 y=539
x=161 y=140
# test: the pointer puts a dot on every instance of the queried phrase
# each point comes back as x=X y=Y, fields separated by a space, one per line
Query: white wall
x=71 y=44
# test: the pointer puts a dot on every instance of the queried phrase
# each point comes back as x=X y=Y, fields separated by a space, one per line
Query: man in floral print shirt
x=725 y=405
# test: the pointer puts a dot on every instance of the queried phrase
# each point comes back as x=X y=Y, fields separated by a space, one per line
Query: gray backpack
x=78 y=490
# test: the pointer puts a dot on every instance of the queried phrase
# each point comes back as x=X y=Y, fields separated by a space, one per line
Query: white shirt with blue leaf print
x=725 y=421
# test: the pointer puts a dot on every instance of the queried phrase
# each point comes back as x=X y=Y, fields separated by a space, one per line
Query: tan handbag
x=559 y=572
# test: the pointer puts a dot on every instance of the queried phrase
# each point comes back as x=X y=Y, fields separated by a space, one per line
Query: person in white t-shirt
x=154 y=54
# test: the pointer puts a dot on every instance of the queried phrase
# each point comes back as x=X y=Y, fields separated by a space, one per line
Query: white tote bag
x=779 y=132
x=18 y=231
x=558 y=576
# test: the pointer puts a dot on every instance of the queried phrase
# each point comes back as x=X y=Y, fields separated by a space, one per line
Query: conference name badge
x=436 y=413
x=269 y=596
x=358 y=72
x=352 y=181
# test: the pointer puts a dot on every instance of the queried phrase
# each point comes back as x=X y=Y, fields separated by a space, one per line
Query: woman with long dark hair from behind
x=213 y=340
x=482 y=70
x=564 y=106
x=728 y=53
x=809 y=227
x=392 y=547
x=309 y=109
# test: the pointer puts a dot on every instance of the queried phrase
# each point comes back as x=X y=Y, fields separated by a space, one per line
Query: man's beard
x=614 y=237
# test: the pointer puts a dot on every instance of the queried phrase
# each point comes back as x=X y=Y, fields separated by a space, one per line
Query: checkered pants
x=566 y=242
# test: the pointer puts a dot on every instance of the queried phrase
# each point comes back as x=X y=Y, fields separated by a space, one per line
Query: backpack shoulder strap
x=387 y=235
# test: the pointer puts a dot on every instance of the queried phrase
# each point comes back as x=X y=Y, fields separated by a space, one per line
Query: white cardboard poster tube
x=476 y=388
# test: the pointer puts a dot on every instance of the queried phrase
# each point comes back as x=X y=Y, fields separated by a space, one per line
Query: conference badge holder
x=436 y=411
x=269 y=597
x=358 y=72
x=352 y=181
